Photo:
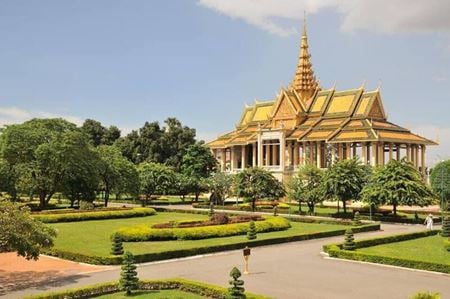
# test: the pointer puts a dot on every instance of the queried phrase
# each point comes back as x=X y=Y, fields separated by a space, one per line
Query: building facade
x=306 y=124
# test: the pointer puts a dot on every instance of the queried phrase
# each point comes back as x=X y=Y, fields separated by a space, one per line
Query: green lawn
x=157 y=294
x=92 y=237
x=428 y=249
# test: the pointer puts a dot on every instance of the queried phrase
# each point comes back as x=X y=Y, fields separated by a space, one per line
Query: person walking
x=429 y=221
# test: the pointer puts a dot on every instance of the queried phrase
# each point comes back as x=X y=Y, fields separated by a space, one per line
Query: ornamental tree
x=236 y=290
x=221 y=187
x=117 y=246
x=397 y=183
x=22 y=233
x=349 y=242
x=251 y=233
x=128 y=275
x=344 y=180
x=155 y=178
x=440 y=182
x=445 y=227
x=306 y=187
x=257 y=183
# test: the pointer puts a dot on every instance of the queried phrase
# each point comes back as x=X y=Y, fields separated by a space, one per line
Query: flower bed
x=146 y=233
x=93 y=215
x=202 y=289
x=213 y=221
x=336 y=250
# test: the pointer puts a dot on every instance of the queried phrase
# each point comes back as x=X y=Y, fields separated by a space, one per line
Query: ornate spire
x=304 y=81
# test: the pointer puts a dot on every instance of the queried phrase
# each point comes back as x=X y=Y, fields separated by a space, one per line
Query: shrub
x=426 y=295
x=447 y=244
x=283 y=205
x=349 y=243
x=211 y=210
x=236 y=290
x=93 y=215
x=117 y=247
x=446 y=227
x=356 y=219
x=275 y=211
x=220 y=218
x=86 y=205
x=128 y=275
x=146 y=233
x=251 y=234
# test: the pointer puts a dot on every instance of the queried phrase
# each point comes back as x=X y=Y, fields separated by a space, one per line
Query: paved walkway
x=291 y=270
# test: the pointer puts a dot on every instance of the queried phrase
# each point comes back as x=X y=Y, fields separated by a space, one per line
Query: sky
x=126 y=62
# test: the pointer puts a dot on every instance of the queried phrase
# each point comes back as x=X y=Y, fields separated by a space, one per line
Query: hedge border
x=94 y=215
x=179 y=253
x=336 y=251
x=195 y=287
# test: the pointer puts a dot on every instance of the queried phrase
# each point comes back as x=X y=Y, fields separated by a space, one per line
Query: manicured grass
x=93 y=237
x=428 y=249
x=157 y=294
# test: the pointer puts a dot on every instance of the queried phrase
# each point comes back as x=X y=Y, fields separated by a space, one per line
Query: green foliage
x=94 y=214
x=349 y=243
x=146 y=233
x=251 y=233
x=440 y=181
x=446 y=227
x=221 y=187
x=98 y=134
x=426 y=295
x=117 y=174
x=155 y=178
x=257 y=183
x=236 y=290
x=356 y=219
x=306 y=187
x=203 y=289
x=211 y=210
x=275 y=211
x=117 y=247
x=397 y=183
x=344 y=180
x=128 y=274
x=20 y=232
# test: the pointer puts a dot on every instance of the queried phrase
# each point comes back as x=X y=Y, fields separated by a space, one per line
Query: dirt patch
x=18 y=273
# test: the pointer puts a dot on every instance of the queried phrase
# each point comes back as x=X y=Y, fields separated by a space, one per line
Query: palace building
x=306 y=124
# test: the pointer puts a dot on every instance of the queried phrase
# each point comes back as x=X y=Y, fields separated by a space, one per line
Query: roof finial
x=363 y=84
x=379 y=85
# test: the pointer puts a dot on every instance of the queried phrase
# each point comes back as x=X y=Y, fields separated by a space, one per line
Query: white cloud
x=439 y=134
x=383 y=16
x=14 y=115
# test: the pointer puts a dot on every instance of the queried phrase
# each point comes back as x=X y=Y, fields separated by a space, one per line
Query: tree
x=356 y=219
x=94 y=131
x=182 y=185
x=111 y=135
x=397 y=183
x=211 y=210
x=440 y=182
x=35 y=152
x=344 y=180
x=257 y=183
x=8 y=179
x=117 y=174
x=155 y=178
x=446 y=227
x=221 y=187
x=306 y=187
x=80 y=176
x=251 y=233
x=349 y=243
x=236 y=290
x=117 y=247
x=22 y=233
x=128 y=275
x=198 y=164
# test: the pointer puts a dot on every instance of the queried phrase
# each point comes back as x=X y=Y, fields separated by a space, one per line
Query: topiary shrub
x=128 y=275
x=446 y=227
x=117 y=247
x=211 y=210
x=349 y=243
x=236 y=290
x=251 y=234
x=426 y=295
x=220 y=218
x=275 y=211
x=356 y=219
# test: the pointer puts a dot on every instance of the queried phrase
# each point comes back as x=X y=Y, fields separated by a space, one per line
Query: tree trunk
x=197 y=194
x=106 y=198
x=338 y=207
x=299 y=207
x=311 y=208
x=253 y=204
x=344 y=204
x=395 y=210
x=42 y=202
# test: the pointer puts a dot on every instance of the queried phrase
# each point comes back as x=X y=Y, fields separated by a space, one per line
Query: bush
x=93 y=215
x=139 y=233
x=251 y=234
x=426 y=295
x=236 y=290
x=447 y=244
x=86 y=205
x=349 y=243
x=128 y=274
x=203 y=289
x=117 y=247
x=446 y=227
x=356 y=219
x=220 y=218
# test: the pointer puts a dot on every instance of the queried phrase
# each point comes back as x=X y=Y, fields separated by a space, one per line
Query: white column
x=319 y=154
x=243 y=156
x=260 y=151
x=374 y=155
x=296 y=152
x=254 y=153
x=282 y=152
x=232 y=158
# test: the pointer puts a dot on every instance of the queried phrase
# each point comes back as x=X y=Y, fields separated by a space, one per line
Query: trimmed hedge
x=144 y=232
x=178 y=253
x=94 y=215
x=336 y=250
x=202 y=289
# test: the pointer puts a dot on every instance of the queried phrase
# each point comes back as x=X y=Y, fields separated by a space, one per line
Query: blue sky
x=127 y=62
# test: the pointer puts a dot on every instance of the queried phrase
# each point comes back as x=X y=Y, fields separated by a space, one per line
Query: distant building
x=306 y=124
